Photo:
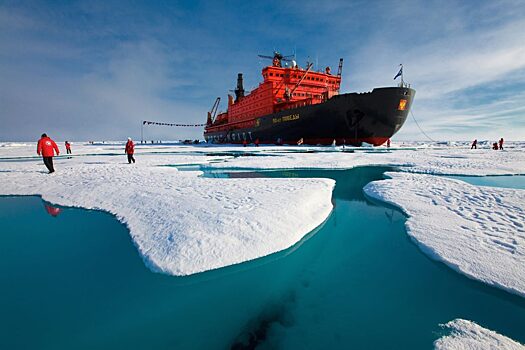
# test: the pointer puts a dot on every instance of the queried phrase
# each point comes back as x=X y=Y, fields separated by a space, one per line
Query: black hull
x=350 y=119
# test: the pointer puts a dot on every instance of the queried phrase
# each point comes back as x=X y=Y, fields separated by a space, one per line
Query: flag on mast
x=400 y=72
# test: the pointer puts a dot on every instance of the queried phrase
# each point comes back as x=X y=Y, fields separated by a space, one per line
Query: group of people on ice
x=496 y=145
x=48 y=148
x=256 y=143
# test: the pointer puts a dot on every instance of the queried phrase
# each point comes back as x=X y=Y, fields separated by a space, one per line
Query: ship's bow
x=376 y=116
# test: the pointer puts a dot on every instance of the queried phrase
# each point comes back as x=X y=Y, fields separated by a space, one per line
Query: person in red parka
x=47 y=147
x=129 y=150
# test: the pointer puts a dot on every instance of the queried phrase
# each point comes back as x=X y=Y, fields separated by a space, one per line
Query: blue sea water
x=77 y=281
x=515 y=181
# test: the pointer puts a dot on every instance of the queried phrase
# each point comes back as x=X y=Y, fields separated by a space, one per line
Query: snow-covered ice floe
x=467 y=335
x=439 y=162
x=477 y=231
x=181 y=223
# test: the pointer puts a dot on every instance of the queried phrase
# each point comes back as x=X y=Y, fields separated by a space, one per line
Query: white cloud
x=99 y=79
x=445 y=62
x=72 y=92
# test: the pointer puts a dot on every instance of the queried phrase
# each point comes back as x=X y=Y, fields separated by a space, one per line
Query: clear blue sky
x=92 y=70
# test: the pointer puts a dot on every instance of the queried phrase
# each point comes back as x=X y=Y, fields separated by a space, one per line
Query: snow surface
x=467 y=335
x=452 y=159
x=477 y=231
x=433 y=161
x=181 y=223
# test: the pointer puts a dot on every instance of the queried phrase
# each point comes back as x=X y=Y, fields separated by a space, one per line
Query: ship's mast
x=339 y=72
x=278 y=57
x=400 y=73
x=340 y=69
x=402 y=79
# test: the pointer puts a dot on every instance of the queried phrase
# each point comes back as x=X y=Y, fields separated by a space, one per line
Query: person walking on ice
x=474 y=144
x=500 y=143
x=68 y=147
x=129 y=150
x=47 y=147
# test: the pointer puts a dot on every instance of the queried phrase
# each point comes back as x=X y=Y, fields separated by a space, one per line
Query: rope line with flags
x=147 y=122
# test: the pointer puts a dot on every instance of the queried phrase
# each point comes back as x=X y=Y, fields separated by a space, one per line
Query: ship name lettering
x=286 y=118
x=290 y=117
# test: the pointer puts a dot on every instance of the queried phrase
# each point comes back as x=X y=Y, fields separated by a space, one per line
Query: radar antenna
x=278 y=57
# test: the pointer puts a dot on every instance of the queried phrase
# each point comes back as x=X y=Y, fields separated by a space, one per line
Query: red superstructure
x=282 y=88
